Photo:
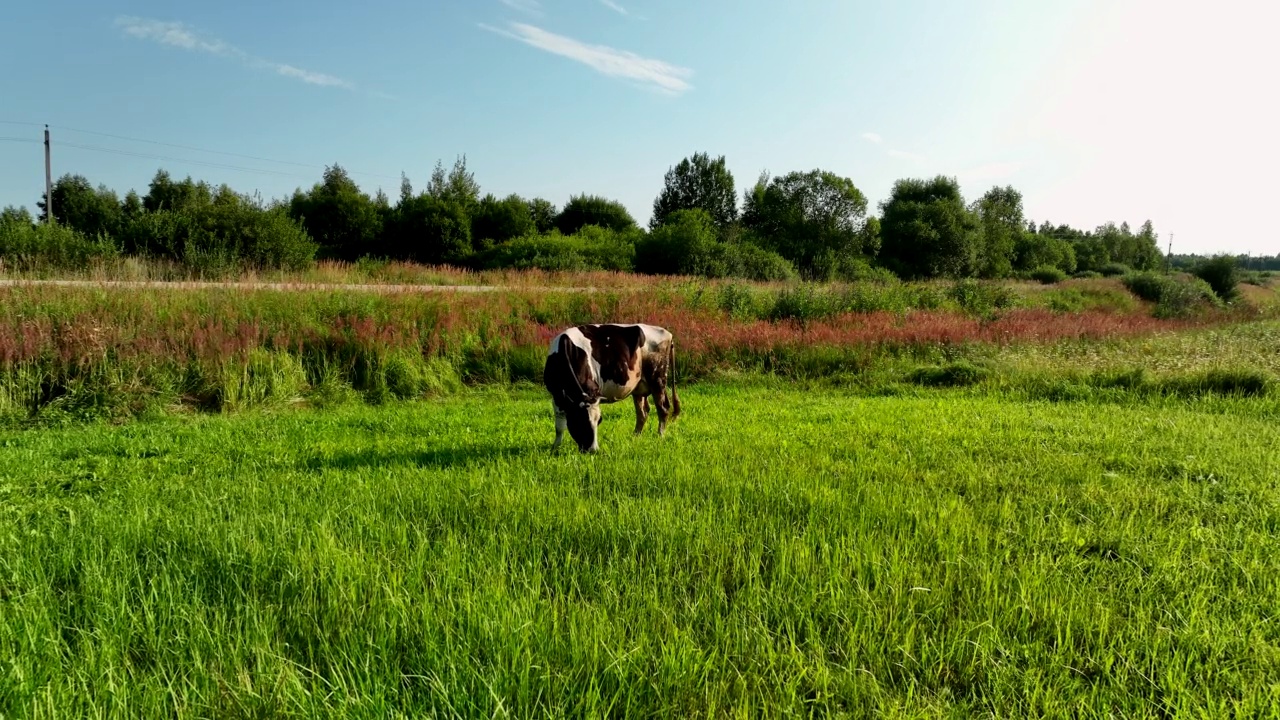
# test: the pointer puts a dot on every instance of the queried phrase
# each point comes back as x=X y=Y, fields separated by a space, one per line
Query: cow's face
x=584 y=422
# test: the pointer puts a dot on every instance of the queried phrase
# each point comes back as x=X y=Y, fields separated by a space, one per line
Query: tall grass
x=779 y=553
x=76 y=352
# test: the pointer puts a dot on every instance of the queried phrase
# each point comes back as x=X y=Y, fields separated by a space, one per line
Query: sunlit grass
x=779 y=553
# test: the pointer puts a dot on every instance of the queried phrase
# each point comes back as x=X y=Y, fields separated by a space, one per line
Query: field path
x=286 y=286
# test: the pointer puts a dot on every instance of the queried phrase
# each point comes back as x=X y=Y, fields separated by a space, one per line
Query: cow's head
x=575 y=393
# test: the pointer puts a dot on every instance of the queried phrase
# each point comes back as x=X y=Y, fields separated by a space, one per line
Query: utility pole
x=48 y=180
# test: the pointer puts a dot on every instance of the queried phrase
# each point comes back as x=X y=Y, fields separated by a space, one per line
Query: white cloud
x=176 y=34
x=989 y=171
x=532 y=7
x=872 y=137
x=614 y=7
x=663 y=76
x=173 y=33
x=312 y=78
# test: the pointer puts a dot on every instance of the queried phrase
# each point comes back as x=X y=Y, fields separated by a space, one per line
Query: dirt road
x=284 y=286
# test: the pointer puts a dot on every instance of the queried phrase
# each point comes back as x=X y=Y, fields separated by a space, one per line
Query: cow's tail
x=675 y=399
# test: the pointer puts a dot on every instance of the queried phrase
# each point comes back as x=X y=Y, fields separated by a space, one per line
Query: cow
x=603 y=363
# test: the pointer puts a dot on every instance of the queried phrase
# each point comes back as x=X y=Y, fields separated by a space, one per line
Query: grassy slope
x=778 y=552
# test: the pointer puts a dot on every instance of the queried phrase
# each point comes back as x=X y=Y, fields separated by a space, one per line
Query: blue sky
x=1096 y=109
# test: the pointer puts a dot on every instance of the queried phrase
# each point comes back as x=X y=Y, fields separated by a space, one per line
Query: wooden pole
x=48 y=180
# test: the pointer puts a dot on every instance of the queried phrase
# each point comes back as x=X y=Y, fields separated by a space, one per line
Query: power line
x=193 y=148
x=149 y=156
x=19 y=139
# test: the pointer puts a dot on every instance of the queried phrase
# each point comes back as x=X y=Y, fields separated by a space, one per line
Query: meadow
x=780 y=552
x=943 y=499
x=88 y=353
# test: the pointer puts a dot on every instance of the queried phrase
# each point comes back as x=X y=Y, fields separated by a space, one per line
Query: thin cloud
x=872 y=137
x=532 y=7
x=614 y=7
x=662 y=76
x=176 y=34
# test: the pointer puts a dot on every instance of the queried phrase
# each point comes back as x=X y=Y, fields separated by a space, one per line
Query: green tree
x=543 y=213
x=498 y=221
x=1037 y=250
x=583 y=210
x=815 y=219
x=164 y=193
x=1123 y=246
x=689 y=243
x=1222 y=274
x=680 y=246
x=458 y=185
x=78 y=205
x=339 y=216
x=429 y=230
x=698 y=182
x=132 y=206
x=16 y=216
x=1000 y=215
x=927 y=231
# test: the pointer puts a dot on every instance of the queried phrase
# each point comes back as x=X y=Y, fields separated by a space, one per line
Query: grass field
x=941 y=553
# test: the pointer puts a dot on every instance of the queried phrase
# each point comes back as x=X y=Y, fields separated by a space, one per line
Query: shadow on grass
x=438 y=458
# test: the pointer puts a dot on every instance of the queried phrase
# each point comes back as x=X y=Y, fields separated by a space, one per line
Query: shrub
x=756 y=263
x=1173 y=296
x=1048 y=275
x=955 y=374
x=592 y=248
x=1087 y=275
x=688 y=244
x=1255 y=277
x=216 y=239
x=1113 y=269
x=981 y=298
x=738 y=301
x=1225 y=382
x=1221 y=274
x=31 y=247
x=1148 y=286
x=803 y=303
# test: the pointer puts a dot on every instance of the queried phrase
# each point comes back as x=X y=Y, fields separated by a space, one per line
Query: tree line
x=812 y=224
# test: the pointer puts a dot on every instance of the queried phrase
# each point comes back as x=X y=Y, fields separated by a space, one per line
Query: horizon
x=1096 y=112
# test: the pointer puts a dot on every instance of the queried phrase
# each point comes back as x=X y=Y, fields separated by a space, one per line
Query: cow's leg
x=664 y=404
x=642 y=410
x=562 y=423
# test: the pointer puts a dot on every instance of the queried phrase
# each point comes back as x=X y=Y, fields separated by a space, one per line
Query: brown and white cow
x=592 y=364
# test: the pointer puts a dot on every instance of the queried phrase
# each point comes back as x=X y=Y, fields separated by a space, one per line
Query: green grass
x=779 y=553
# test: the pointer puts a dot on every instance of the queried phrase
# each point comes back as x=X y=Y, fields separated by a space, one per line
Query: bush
x=1173 y=296
x=804 y=303
x=592 y=248
x=688 y=244
x=956 y=374
x=1048 y=275
x=24 y=246
x=1114 y=269
x=756 y=263
x=1224 y=382
x=1255 y=277
x=1087 y=275
x=981 y=298
x=1221 y=274
x=219 y=238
